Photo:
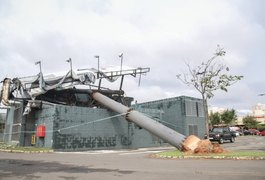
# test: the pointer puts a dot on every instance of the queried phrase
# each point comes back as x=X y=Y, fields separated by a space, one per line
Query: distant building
x=216 y=109
x=258 y=111
x=239 y=121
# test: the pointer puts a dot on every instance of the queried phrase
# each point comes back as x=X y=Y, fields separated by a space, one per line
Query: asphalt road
x=246 y=143
x=131 y=164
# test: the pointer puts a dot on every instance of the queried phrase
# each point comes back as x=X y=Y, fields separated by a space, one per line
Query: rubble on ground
x=193 y=144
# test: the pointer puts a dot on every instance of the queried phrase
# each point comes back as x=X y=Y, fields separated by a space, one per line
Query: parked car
x=246 y=132
x=235 y=133
x=221 y=134
x=251 y=132
x=262 y=133
x=254 y=131
x=241 y=133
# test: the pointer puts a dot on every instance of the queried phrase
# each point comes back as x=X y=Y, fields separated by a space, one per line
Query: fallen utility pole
x=169 y=135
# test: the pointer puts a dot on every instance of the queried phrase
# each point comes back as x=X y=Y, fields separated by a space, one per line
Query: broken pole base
x=193 y=144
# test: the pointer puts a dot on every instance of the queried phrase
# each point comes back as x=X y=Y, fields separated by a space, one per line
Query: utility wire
x=69 y=127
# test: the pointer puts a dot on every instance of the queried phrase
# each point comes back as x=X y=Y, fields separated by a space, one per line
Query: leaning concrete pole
x=172 y=137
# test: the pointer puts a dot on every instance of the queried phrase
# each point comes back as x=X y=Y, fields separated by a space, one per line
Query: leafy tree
x=250 y=122
x=215 y=118
x=208 y=77
x=229 y=116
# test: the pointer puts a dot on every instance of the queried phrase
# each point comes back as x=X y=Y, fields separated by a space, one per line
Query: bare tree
x=209 y=76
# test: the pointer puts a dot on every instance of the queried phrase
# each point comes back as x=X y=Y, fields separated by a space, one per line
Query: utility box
x=41 y=131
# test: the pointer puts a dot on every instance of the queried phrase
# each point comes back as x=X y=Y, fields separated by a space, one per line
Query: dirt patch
x=193 y=144
x=217 y=148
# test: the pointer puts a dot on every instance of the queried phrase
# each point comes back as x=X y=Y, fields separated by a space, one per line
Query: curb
x=25 y=151
x=210 y=157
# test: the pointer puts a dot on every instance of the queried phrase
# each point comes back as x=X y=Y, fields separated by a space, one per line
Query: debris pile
x=193 y=144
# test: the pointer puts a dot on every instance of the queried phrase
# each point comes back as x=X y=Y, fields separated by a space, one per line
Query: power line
x=69 y=127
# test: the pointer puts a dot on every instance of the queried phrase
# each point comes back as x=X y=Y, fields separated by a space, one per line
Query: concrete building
x=71 y=128
x=216 y=110
x=258 y=111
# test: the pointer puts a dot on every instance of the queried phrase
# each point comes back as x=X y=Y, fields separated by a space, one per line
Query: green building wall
x=183 y=114
x=72 y=128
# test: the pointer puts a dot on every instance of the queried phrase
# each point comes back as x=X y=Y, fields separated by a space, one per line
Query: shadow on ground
x=15 y=169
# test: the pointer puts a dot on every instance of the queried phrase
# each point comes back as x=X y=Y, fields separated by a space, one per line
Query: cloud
x=151 y=33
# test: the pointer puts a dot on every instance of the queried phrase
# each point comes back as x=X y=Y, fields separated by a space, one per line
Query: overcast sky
x=158 y=34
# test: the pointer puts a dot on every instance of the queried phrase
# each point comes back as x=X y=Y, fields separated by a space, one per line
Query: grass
x=15 y=148
x=226 y=155
x=245 y=154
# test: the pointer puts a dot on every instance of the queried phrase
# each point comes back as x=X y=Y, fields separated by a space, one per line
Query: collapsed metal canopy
x=32 y=87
